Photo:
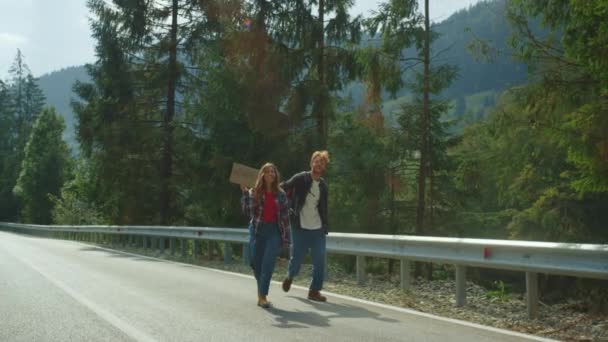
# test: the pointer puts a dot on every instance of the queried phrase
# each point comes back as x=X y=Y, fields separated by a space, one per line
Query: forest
x=182 y=89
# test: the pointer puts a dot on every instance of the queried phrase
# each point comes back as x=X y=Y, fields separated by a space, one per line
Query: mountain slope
x=57 y=87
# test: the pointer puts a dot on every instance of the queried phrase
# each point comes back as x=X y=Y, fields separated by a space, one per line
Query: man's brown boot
x=287 y=284
x=316 y=296
x=263 y=302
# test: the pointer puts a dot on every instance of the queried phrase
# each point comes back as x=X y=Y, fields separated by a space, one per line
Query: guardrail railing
x=579 y=260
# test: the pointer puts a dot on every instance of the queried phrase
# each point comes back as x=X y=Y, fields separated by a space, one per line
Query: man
x=308 y=214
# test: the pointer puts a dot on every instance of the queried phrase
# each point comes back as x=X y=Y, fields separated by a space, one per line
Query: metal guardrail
x=179 y=232
x=579 y=260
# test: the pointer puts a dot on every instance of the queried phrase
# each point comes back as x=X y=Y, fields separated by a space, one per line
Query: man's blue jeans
x=302 y=240
x=267 y=247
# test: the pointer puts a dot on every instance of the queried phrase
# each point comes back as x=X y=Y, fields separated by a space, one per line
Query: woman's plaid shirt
x=255 y=211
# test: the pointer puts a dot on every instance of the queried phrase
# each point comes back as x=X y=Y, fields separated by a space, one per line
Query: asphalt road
x=55 y=290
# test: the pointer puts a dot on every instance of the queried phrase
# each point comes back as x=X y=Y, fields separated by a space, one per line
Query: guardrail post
x=210 y=245
x=326 y=268
x=405 y=274
x=196 y=250
x=245 y=254
x=227 y=253
x=532 y=294
x=183 y=243
x=361 y=276
x=461 y=285
x=172 y=242
x=161 y=245
x=144 y=240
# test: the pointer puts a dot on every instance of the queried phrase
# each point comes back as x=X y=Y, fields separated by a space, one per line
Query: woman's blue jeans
x=267 y=248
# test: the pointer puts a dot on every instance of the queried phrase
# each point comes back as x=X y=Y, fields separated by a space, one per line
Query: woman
x=267 y=207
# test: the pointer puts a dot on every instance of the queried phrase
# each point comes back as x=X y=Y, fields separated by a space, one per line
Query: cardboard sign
x=243 y=175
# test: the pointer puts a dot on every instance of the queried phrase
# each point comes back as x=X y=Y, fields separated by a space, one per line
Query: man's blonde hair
x=324 y=155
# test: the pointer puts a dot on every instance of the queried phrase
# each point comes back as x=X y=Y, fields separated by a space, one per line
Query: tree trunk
x=393 y=225
x=423 y=170
x=166 y=170
x=425 y=127
x=431 y=201
x=320 y=108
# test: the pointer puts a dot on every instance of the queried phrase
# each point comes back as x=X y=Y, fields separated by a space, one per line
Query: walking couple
x=280 y=212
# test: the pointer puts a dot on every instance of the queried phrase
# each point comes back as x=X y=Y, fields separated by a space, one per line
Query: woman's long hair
x=260 y=183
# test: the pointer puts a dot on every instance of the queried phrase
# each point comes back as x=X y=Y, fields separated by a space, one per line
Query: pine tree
x=327 y=43
x=400 y=26
x=45 y=167
x=8 y=204
x=303 y=53
x=27 y=96
x=575 y=65
x=534 y=169
x=21 y=101
x=110 y=129
x=146 y=50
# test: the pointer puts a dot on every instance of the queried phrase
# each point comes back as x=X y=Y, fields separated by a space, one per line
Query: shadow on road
x=305 y=319
x=298 y=319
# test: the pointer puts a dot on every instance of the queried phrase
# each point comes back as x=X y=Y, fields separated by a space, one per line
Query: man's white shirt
x=309 y=216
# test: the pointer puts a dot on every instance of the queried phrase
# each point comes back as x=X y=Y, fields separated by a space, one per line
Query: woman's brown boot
x=263 y=302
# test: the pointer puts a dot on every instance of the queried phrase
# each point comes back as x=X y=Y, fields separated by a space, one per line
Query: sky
x=54 y=34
